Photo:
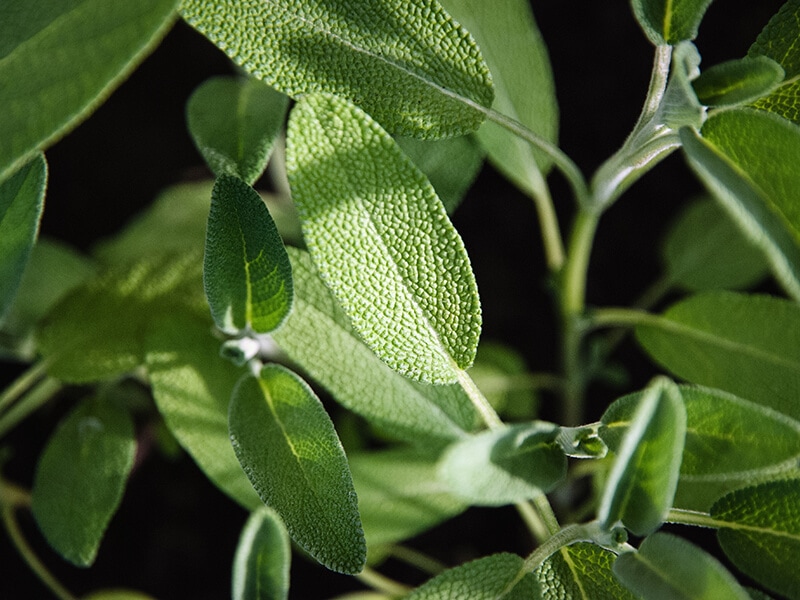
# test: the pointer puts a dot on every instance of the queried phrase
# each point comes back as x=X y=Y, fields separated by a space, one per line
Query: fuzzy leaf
x=408 y=64
x=81 y=477
x=59 y=59
x=748 y=345
x=670 y=21
x=261 y=564
x=318 y=336
x=759 y=530
x=642 y=482
x=738 y=81
x=505 y=465
x=382 y=241
x=246 y=272
x=667 y=567
x=289 y=450
x=234 y=123
x=21 y=205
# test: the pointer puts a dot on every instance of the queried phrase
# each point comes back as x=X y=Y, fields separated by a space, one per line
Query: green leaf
x=748 y=345
x=670 y=21
x=382 y=241
x=502 y=375
x=289 y=450
x=399 y=495
x=409 y=65
x=517 y=57
x=667 y=567
x=318 y=336
x=192 y=388
x=680 y=106
x=21 y=205
x=733 y=159
x=642 y=482
x=580 y=571
x=261 y=564
x=234 y=123
x=505 y=465
x=705 y=250
x=117 y=594
x=81 y=477
x=495 y=577
x=59 y=60
x=738 y=81
x=759 y=530
x=246 y=271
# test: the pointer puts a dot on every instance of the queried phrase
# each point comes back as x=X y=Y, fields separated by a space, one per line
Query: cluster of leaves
x=373 y=299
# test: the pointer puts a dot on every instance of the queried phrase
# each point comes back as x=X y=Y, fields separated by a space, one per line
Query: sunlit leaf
x=670 y=21
x=738 y=81
x=261 y=564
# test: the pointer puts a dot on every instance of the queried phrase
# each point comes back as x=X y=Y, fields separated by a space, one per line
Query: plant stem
x=22 y=384
x=479 y=401
x=34 y=399
x=417 y=559
x=621 y=317
x=533 y=519
x=381 y=583
x=566 y=536
x=551 y=233
x=691 y=517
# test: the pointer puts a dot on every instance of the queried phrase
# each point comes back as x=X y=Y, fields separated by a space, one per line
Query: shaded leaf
x=118 y=594
x=409 y=65
x=502 y=375
x=382 y=241
x=289 y=450
x=738 y=81
x=670 y=21
x=263 y=556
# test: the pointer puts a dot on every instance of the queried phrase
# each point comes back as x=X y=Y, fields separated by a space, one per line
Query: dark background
x=175 y=534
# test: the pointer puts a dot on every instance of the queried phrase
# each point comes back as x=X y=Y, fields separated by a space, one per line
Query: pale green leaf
x=642 y=482
x=289 y=450
x=21 y=205
x=408 y=64
x=504 y=465
x=234 y=123
x=117 y=594
x=748 y=345
x=670 y=21
x=382 y=241
x=705 y=250
x=246 y=272
x=580 y=571
x=399 y=495
x=738 y=81
x=667 y=567
x=735 y=160
x=680 y=106
x=263 y=556
x=60 y=59
x=192 y=388
x=495 y=577
x=524 y=90
x=318 y=336
x=759 y=530
x=81 y=477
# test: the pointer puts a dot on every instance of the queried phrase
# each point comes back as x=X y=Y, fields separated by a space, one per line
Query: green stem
x=691 y=517
x=480 y=402
x=34 y=399
x=621 y=317
x=417 y=559
x=383 y=584
x=569 y=535
x=533 y=519
x=22 y=384
x=551 y=233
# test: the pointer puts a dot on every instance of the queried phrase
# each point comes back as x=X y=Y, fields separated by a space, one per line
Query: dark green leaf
x=642 y=482
x=81 y=478
x=667 y=567
x=59 y=59
x=261 y=564
x=289 y=450
x=670 y=21
x=382 y=241
x=234 y=123
x=738 y=81
x=408 y=64
x=246 y=271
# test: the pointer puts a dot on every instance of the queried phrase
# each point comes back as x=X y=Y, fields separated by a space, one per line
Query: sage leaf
x=192 y=389
x=399 y=494
x=246 y=271
x=705 y=250
x=118 y=594
x=738 y=81
x=21 y=205
x=755 y=190
x=408 y=64
x=524 y=89
x=289 y=450
x=745 y=344
x=759 y=530
x=642 y=482
x=505 y=465
x=81 y=477
x=667 y=567
x=318 y=336
x=382 y=241
x=580 y=571
x=60 y=59
x=670 y=21
x=495 y=577
x=234 y=123
x=263 y=556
